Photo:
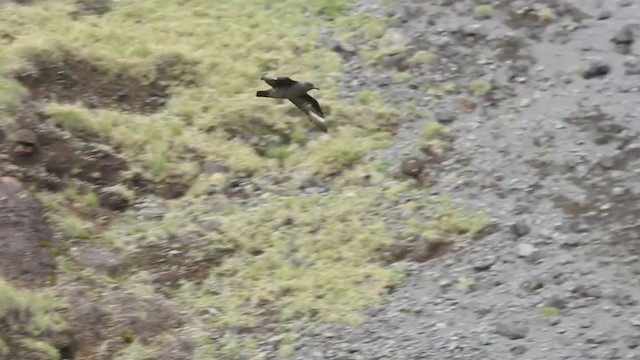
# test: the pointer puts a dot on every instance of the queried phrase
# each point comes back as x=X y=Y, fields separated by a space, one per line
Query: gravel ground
x=552 y=152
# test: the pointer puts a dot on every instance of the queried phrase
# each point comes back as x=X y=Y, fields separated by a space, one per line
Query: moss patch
x=246 y=247
x=106 y=75
x=29 y=320
x=300 y=257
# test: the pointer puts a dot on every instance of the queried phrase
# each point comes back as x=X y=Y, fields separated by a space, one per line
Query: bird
x=283 y=87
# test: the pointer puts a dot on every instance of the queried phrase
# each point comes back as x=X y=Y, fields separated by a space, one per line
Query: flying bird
x=283 y=87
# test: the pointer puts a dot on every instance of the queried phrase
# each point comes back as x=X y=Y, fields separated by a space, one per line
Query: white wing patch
x=318 y=120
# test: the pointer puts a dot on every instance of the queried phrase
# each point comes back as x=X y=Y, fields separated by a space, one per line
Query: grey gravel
x=546 y=152
x=520 y=229
x=624 y=35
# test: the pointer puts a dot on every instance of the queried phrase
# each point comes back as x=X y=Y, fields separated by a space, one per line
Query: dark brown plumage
x=286 y=88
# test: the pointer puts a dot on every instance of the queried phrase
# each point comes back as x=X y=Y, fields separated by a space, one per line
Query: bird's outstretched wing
x=279 y=81
x=311 y=108
x=313 y=102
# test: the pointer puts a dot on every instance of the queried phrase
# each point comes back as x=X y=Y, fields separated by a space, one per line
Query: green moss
x=402 y=77
x=70 y=117
x=433 y=130
x=330 y=156
x=359 y=27
x=75 y=227
x=331 y=237
x=136 y=351
x=483 y=11
x=479 y=87
x=121 y=190
x=289 y=255
x=392 y=42
x=450 y=88
x=424 y=57
x=279 y=152
x=11 y=95
x=4 y=348
x=41 y=347
x=331 y=8
x=435 y=92
x=464 y=285
x=186 y=39
x=91 y=201
x=577 y=70
x=546 y=15
x=368 y=97
x=549 y=311
x=31 y=315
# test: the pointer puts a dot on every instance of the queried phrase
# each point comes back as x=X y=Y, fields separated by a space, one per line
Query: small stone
x=532 y=285
x=555 y=301
x=483 y=264
x=25 y=141
x=587 y=291
x=412 y=167
x=596 y=69
x=618 y=191
x=606 y=162
x=512 y=331
x=445 y=117
x=526 y=250
x=525 y=103
x=624 y=36
x=275 y=339
x=213 y=167
x=520 y=229
x=339 y=47
x=632 y=341
x=598 y=338
x=631 y=66
x=152 y=211
x=604 y=15
x=116 y=197
x=518 y=350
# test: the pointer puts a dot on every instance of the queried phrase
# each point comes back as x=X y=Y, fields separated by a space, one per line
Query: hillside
x=475 y=197
x=188 y=218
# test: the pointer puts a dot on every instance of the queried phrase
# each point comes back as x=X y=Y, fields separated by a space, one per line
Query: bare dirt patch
x=121 y=319
x=77 y=80
x=413 y=251
x=611 y=201
x=25 y=238
x=92 y=7
x=57 y=157
x=79 y=153
x=175 y=265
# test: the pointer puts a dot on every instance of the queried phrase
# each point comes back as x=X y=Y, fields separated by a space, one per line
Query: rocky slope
x=486 y=153
x=551 y=150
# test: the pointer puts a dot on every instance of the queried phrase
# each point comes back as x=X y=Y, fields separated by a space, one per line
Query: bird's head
x=309 y=86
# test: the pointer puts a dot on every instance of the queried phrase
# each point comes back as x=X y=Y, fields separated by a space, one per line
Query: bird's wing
x=313 y=102
x=279 y=81
x=309 y=109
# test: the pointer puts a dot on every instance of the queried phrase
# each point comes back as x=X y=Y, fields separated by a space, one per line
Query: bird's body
x=296 y=92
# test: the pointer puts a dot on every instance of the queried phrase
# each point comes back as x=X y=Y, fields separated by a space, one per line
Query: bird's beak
x=317 y=88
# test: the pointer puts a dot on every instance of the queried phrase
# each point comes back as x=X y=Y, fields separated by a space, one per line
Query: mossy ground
x=27 y=317
x=287 y=256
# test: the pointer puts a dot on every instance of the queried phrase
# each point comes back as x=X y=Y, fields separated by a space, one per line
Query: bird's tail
x=318 y=121
x=262 y=93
